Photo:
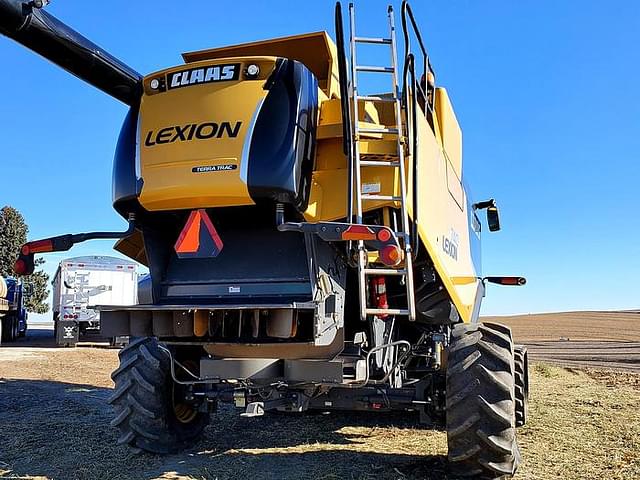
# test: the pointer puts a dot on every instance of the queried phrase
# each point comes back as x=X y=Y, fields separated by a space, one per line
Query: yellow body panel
x=167 y=170
x=449 y=130
x=444 y=225
x=443 y=210
x=443 y=219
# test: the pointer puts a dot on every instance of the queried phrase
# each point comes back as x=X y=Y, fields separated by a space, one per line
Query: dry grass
x=583 y=425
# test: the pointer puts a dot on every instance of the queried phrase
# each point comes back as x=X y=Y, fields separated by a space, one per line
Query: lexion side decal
x=450 y=244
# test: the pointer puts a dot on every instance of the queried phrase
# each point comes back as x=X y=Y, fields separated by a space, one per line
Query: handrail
x=411 y=109
x=426 y=63
x=407 y=12
x=347 y=143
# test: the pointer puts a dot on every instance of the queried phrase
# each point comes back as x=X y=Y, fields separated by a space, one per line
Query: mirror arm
x=486 y=204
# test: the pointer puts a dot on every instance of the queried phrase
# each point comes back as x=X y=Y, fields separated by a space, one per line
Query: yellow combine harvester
x=310 y=245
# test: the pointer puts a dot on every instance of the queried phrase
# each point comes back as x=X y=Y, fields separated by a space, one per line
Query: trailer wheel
x=521 y=361
x=8 y=328
x=480 y=403
x=4 y=328
x=16 y=329
x=150 y=411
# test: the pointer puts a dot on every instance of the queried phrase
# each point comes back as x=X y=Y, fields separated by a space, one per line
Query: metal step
x=373 y=69
x=393 y=131
x=385 y=198
x=387 y=311
x=379 y=163
x=384 y=271
x=383 y=41
x=373 y=98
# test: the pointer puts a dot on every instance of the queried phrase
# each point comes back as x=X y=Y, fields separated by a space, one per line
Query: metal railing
x=410 y=91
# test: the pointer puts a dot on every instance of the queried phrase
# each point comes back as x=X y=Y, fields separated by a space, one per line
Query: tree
x=13 y=234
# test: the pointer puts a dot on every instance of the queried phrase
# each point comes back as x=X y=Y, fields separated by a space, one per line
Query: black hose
x=347 y=143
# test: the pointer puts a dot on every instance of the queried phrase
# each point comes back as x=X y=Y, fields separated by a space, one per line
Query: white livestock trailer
x=83 y=282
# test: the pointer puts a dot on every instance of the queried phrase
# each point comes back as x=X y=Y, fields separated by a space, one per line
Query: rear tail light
x=358 y=232
x=391 y=255
x=39 y=246
x=384 y=235
x=515 y=281
x=20 y=267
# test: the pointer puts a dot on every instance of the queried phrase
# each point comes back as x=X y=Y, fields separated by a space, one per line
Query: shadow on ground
x=60 y=430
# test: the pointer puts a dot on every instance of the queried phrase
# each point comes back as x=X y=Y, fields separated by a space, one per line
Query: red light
x=384 y=235
x=358 y=232
x=376 y=406
x=75 y=316
x=517 y=281
x=20 y=267
x=39 y=246
x=391 y=255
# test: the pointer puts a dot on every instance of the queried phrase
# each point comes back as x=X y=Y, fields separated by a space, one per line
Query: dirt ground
x=54 y=424
x=597 y=339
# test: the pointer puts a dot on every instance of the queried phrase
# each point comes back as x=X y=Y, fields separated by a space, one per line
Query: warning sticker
x=370 y=188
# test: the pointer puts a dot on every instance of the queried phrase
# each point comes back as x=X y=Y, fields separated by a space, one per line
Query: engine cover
x=218 y=134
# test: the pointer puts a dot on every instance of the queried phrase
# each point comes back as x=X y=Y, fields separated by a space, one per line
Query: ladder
x=402 y=231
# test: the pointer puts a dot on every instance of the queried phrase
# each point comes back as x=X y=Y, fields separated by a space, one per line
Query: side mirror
x=493 y=219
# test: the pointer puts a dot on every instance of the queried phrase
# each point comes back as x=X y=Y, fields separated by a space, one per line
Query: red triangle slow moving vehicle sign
x=199 y=238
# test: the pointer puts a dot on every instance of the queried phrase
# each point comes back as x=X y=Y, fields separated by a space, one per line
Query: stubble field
x=584 y=422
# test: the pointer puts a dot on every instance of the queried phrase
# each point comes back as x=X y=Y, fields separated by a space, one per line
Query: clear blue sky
x=546 y=92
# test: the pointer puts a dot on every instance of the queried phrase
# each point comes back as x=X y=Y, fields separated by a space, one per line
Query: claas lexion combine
x=310 y=245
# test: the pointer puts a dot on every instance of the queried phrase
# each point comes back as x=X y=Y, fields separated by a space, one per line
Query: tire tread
x=480 y=403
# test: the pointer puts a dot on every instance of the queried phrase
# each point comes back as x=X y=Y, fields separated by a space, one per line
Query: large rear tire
x=521 y=362
x=480 y=404
x=148 y=410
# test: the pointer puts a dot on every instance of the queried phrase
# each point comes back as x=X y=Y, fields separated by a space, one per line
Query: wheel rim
x=184 y=412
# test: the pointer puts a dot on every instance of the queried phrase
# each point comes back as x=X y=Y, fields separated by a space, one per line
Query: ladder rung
x=378 y=130
x=372 y=98
x=388 y=311
x=385 y=41
x=384 y=271
x=379 y=163
x=373 y=69
x=386 y=198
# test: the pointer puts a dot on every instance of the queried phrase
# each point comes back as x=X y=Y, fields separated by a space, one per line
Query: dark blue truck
x=13 y=314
